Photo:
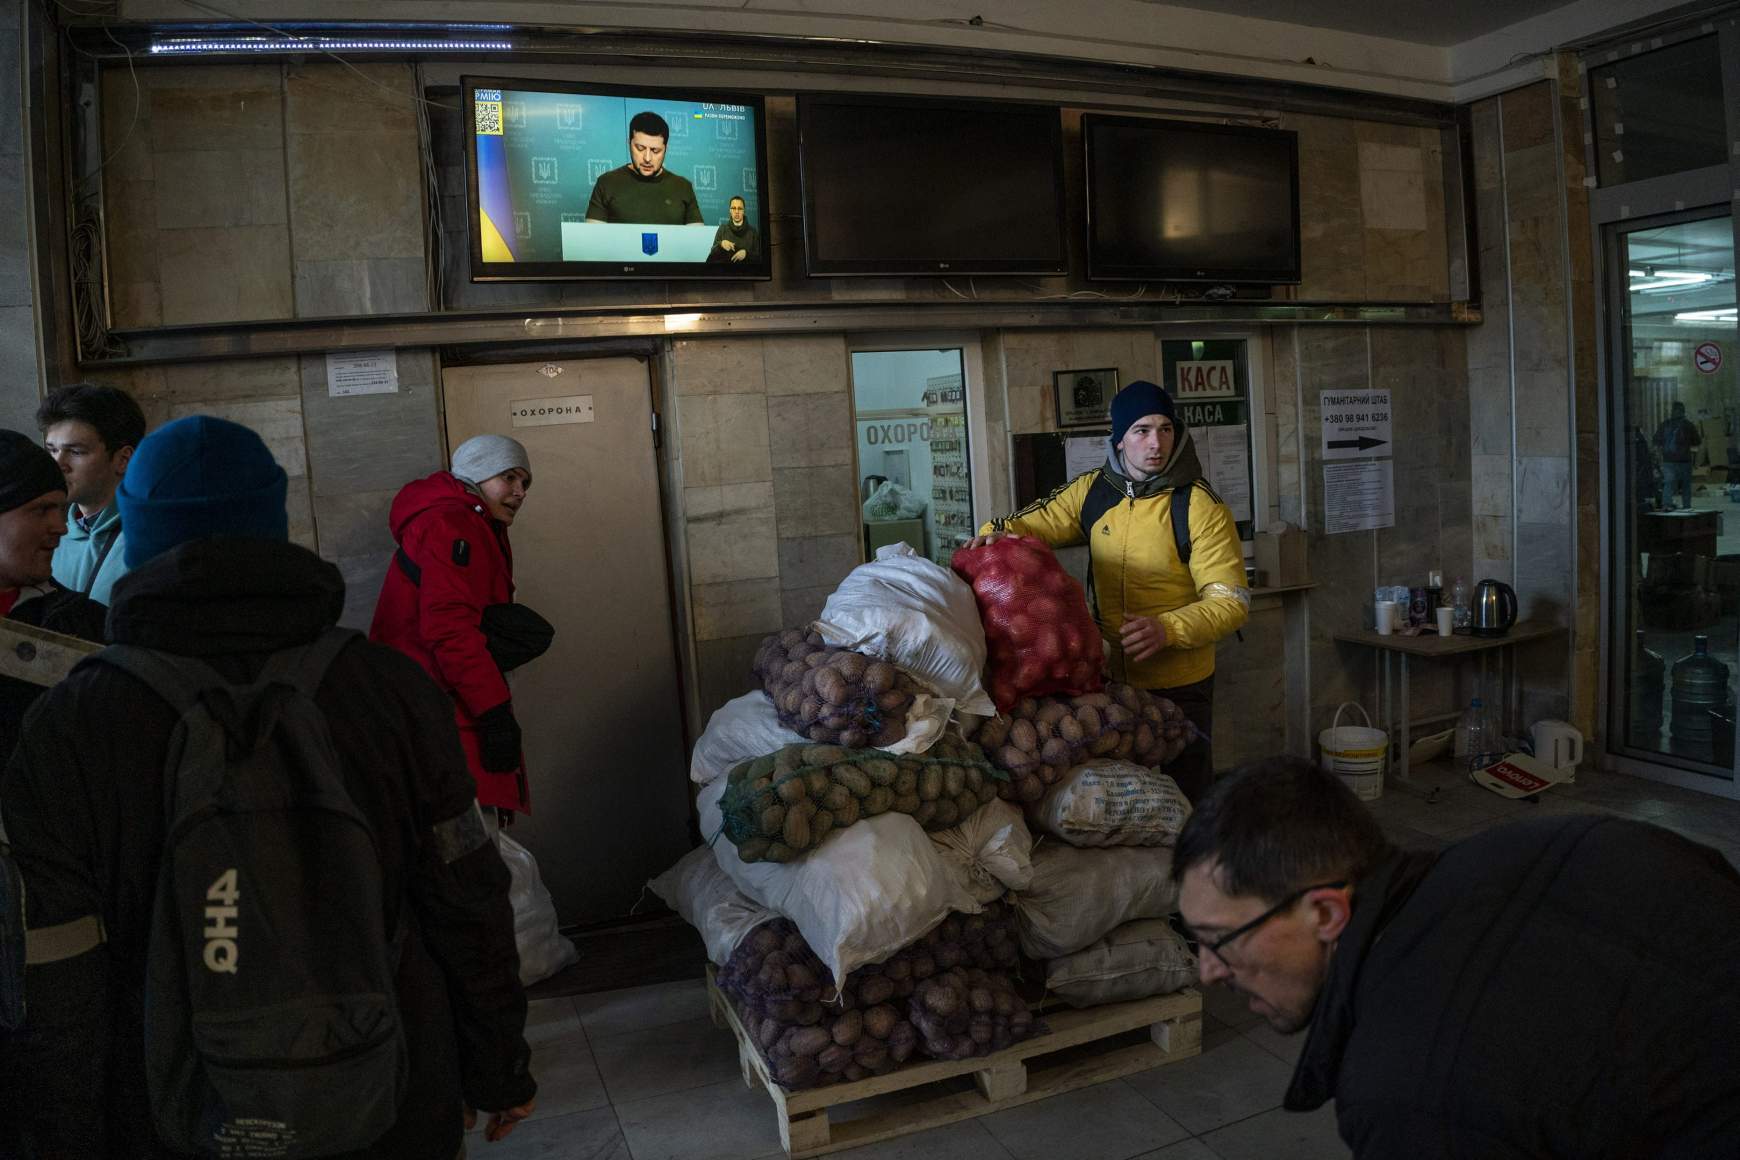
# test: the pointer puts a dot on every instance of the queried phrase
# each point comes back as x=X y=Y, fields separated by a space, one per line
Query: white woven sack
x=1135 y=961
x=1106 y=802
x=743 y=728
x=710 y=902
x=918 y=615
x=1078 y=896
x=869 y=890
x=991 y=850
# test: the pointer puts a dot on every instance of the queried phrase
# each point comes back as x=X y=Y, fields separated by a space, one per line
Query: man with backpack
x=32 y=521
x=253 y=836
x=1167 y=575
x=1676 y=437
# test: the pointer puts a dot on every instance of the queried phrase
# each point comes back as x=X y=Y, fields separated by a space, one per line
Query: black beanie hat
x=26 y=470
x=1136 y=400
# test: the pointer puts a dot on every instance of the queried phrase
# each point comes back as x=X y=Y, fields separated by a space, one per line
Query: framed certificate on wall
x=1084 y=398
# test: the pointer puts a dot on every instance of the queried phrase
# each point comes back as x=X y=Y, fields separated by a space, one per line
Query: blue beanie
x=200 y=477
x=1136 y=400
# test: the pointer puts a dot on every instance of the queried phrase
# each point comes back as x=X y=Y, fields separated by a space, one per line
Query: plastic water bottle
x=1471 y=731
x=1460 y=618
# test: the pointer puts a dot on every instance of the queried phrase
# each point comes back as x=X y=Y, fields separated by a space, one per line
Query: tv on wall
x=916 y=186
x=1183 y=201
x=584 y=181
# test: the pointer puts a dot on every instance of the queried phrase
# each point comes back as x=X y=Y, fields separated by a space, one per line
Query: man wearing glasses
x=1562 y=986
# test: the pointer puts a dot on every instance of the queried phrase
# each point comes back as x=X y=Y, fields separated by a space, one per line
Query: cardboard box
x=878 y=533
x=1280 y=557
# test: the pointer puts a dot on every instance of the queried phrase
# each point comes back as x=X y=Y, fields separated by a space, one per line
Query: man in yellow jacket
x=1162 y=596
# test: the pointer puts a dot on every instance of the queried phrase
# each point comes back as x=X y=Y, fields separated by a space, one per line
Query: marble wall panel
x=804 y=365
x=724 y=438
x=736 y=608
x=815 y=501
x=809 y=430
x=718 y=366
x=731 y=534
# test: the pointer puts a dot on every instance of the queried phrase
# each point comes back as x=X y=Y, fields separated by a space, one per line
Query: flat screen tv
x=910 y=186
x=583 y=181
x=1182 y=201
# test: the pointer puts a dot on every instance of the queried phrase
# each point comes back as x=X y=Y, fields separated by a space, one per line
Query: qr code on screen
x=489 y=117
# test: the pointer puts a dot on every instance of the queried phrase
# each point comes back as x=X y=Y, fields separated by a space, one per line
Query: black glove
x=498 y=739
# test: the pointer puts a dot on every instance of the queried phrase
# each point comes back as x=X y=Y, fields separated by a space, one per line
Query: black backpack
x=271 y=1022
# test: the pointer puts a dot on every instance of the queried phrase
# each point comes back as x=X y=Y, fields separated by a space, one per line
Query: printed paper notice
x=1356 y=424
x=1226 y=464
x=1081 y=455
x=362 y=372
x=1358 y=496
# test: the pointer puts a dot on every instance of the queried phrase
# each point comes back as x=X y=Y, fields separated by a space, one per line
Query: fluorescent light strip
x=311 y=44
x=1727 y=314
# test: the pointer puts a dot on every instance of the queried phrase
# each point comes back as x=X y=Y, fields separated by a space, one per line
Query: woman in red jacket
x=453 y=562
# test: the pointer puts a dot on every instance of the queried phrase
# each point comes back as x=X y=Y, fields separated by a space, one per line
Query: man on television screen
x=737 y=240
x=644 y=191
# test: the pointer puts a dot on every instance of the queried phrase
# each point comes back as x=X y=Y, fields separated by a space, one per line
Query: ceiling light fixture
x=308 y=44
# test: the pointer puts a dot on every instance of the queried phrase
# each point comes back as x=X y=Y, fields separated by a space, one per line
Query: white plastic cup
x=1446 y=621
x=1384 y=611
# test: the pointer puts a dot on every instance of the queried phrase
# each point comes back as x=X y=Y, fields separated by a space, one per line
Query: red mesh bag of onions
x=1039 y=632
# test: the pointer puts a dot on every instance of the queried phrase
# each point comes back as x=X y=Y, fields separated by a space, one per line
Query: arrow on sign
x=1363 y=443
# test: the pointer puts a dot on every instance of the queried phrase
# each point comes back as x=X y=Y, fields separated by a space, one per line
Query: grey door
x=600 y=711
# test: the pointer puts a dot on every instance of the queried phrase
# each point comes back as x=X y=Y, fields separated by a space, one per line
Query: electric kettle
x=1493 y=610
x=1559 y=744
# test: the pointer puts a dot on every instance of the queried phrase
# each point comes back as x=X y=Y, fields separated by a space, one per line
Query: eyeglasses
x=1216 y=946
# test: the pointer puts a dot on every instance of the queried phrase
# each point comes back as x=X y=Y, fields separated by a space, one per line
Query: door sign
x=1205 y=380
x=548 y=412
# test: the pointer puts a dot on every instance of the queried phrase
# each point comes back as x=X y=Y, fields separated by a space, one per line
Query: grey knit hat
x=484 y=456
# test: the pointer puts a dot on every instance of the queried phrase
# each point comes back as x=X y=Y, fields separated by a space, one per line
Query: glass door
x=915 y=457
x=1675 y=497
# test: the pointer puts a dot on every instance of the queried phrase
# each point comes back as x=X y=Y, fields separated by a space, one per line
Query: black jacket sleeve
x=55 y=1067
x=462 y=907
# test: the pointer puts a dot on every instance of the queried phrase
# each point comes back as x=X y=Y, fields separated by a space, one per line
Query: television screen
x=1181 y=201
x=573 y=181
x=896 y=186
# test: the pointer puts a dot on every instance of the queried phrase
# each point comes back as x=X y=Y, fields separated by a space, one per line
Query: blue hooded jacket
x=91 y=561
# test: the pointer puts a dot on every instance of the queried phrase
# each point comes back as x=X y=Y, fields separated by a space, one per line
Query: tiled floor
x=642 y=1074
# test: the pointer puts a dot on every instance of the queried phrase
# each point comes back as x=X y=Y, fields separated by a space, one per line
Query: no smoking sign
x=1707 y=358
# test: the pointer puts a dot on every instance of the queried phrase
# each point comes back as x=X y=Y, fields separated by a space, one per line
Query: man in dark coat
x=215 y=578
x=1561 y=986
x=32 y=522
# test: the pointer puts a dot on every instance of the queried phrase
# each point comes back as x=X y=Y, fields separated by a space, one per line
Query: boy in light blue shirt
x=91 y=432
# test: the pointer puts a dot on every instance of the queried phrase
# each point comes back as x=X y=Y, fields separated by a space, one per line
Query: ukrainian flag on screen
x=494 y=194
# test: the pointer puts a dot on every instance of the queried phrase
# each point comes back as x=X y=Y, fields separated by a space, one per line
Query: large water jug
x=1700 y=684
x=1648 y=681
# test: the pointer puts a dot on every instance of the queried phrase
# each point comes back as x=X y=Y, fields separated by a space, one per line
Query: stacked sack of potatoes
x=781 y=805
x=1043 y=738
x=948 y=995
x=833 y=694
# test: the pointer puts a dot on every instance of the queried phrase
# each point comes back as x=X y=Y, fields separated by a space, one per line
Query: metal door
x=600 y=711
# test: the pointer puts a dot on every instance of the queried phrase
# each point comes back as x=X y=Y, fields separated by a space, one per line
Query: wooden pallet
x=1016 y=1075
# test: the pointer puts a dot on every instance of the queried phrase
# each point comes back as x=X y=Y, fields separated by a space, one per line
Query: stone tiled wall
x=262 y=191
x=759 y=453
x=1535 y=469
x=275 y=191
x=1371 y=211
x=1426 y=372
x=18 y=352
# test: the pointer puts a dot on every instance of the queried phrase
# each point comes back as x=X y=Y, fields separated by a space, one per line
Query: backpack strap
x=304 y=668
x=412 y=570
x=1181 y=521
x=1102 y=496
x=181 y=681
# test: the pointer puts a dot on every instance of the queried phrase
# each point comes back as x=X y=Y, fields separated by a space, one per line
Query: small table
x=1432 y=645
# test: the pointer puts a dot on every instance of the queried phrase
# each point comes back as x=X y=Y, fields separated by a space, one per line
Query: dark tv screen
x=895 y=186
x=1181 y=201
x=582 y=181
